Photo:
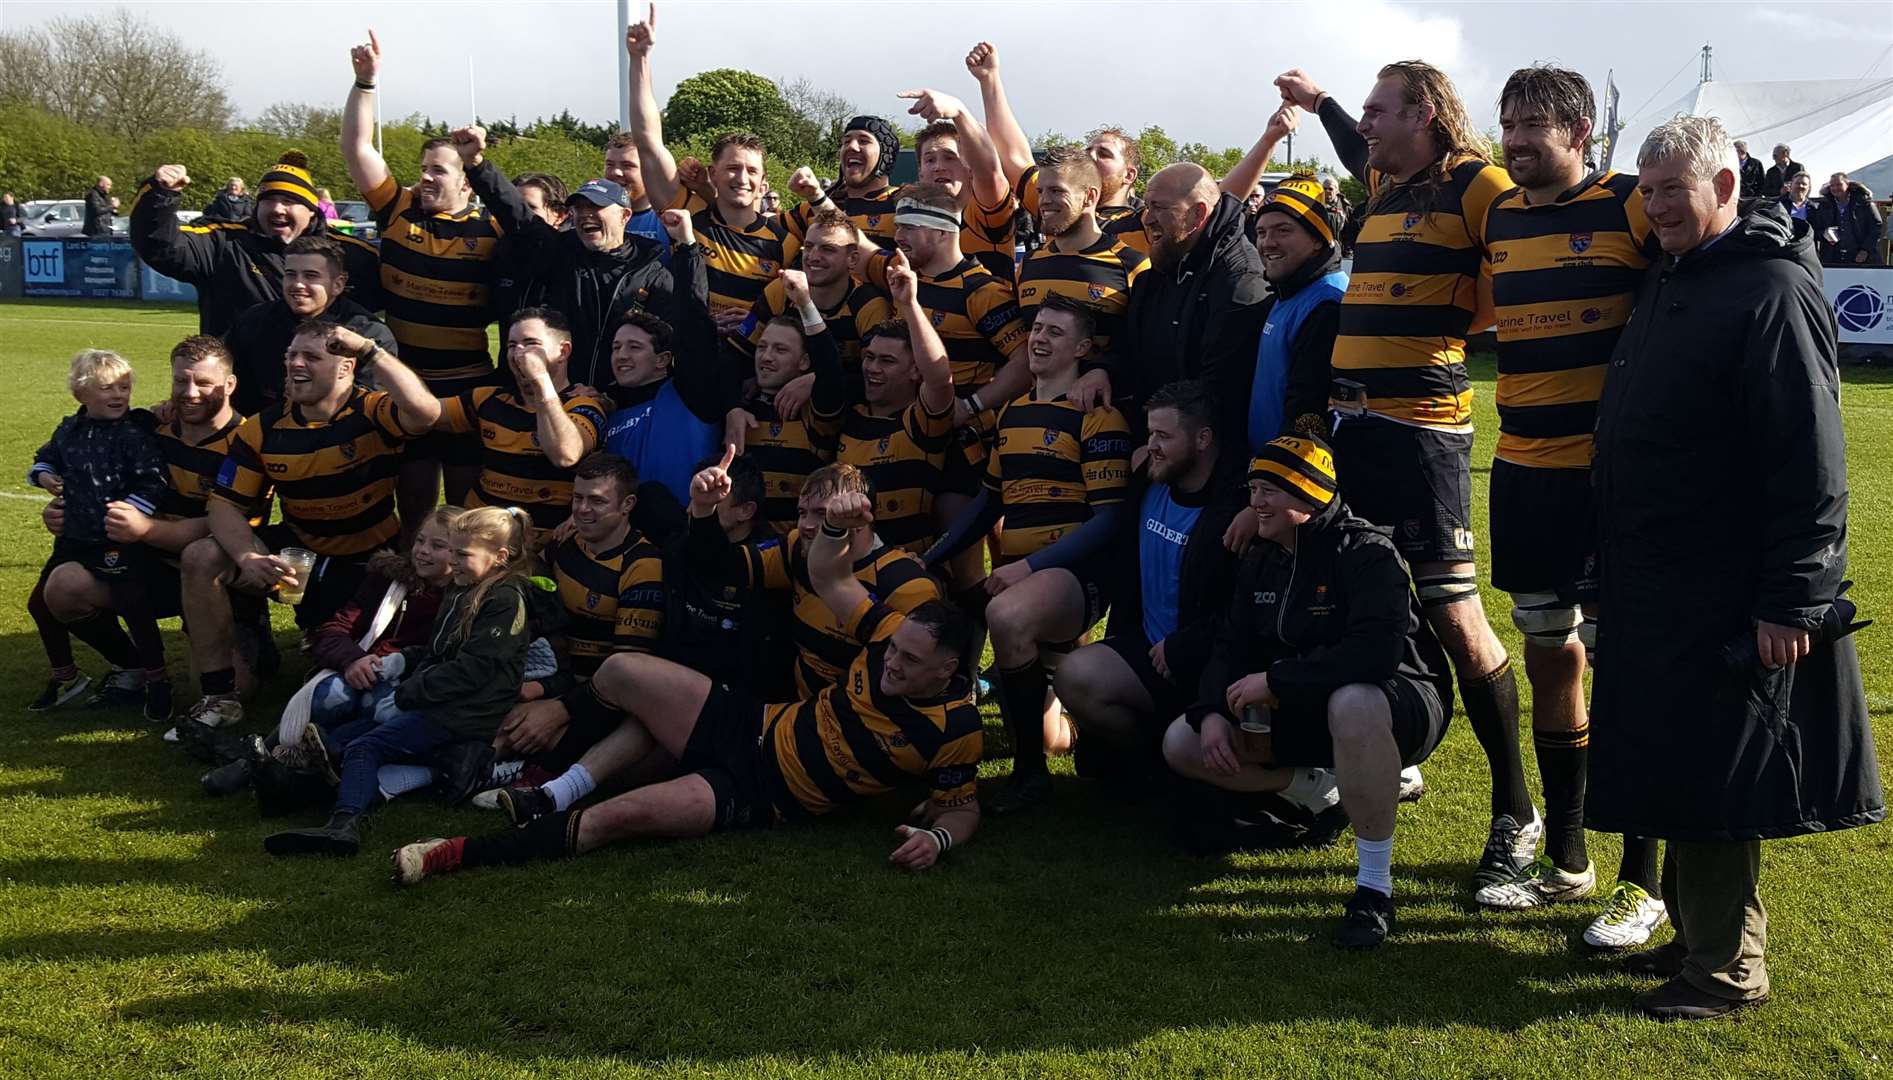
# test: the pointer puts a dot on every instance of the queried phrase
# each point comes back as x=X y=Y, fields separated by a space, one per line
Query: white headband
x=914 y=213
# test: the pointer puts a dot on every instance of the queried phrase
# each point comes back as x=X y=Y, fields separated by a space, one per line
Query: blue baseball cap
x=602 y=193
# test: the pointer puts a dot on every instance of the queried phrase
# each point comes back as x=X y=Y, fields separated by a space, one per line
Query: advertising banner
x=12 y=268
x=155 y=286
x=91 y=269
x=1862 y=302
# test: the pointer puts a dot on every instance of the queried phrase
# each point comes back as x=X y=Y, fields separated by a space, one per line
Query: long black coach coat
x=1722 y=499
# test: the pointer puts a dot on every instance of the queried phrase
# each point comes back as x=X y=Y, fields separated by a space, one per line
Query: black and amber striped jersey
x=437 y=275
x=872 y=213
x=854 y=741
x=334 y=480
x=1413 y=295
x=614 y=599
x=1053 y=466
x=514 y=469
x=977 y=318
x=192 y=467
x=860 y=310
x=786 y=452
x=1564 y=277
x=823 y=646
x=738 y=262
x=989 y=236
x=1100 y=275
x=1124 y=223
x=904 y=459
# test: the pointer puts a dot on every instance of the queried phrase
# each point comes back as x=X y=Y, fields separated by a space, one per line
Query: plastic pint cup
x=301 y=564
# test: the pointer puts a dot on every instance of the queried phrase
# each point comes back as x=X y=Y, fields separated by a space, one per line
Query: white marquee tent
x=1833 y=125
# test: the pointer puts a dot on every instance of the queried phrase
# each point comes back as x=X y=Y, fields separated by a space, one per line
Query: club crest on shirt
x=1410 y=221
x=1095 y=292
x=472 y=243
x=1580 y=243
x=348 y=451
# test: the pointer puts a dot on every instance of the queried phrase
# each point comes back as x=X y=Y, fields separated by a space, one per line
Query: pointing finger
x=729 y=456
x=373 y=41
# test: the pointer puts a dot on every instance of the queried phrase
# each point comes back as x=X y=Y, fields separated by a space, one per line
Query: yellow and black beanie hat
x=1301 y=198
x=1300 y=465
x=290 y=177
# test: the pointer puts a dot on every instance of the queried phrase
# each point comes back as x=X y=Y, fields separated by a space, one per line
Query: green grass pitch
x=144 y=932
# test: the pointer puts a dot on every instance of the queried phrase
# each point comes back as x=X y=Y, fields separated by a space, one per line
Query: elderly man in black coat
x=1728 y=707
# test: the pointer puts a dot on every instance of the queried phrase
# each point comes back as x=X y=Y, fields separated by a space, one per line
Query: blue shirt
x=1161 y=539
x=646 y=223
x=663 y=438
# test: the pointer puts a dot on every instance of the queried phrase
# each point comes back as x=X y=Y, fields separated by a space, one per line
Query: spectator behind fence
x=231 y=204
x=1750 y=171
x=100 y=207
x=1847 y=225
x=10 y=215
x=325 y=205
x=1783 y=170
x=1794 y=197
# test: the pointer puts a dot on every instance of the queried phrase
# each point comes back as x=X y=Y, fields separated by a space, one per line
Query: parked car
x=47 y=219
x=355 y=219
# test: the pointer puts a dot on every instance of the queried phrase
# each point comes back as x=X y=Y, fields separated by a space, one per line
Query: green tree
x=712 y=103
x=114 y=72
x=1155 y=149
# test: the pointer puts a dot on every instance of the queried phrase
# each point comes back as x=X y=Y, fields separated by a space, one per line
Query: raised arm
x=930 y=354
x=990 y=186
x=696 y=367
x=1296 y=86
x=1242 y=179
x=830 y=567
x=558 y=436
x=365 y=164
x=655 y=164
x=495 y=191
x=156 y=236
x=1010 y=142
x=416 y=407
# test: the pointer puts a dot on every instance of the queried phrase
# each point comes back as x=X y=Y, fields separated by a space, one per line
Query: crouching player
x=1324 y=663
x=904 y=711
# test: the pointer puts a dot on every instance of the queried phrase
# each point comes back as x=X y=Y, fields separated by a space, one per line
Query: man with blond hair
x=1402 y=397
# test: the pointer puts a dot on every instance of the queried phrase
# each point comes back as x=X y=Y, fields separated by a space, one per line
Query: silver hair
x=1700 y=140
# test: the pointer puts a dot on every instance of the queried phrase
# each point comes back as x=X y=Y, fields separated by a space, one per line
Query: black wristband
x=368 y=86
x=834 y=533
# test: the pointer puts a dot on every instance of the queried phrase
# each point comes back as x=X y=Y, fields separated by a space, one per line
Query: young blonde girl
x=457 y=687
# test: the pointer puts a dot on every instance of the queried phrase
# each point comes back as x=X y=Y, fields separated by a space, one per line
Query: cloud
x=1803 y=25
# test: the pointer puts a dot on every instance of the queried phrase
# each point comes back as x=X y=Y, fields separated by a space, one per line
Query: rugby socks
x=1312 y=789
x=1492 y=708
x=1022 y=699
x=1375 y=859
x=554 y=836
x=1562 y=756
x=1640 y=864
x=572 y=785
x=107 y=638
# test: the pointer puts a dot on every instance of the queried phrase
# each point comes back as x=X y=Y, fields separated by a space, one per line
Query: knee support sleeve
x=1444 y=590
x=1545 y=619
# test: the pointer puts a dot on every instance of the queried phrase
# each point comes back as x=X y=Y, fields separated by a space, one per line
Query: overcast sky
x=1201 y=70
